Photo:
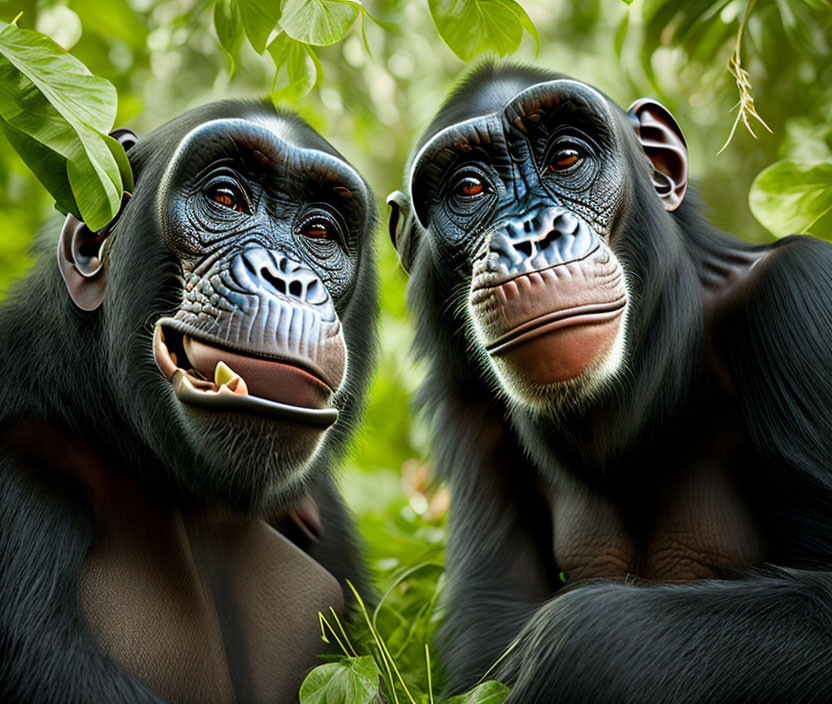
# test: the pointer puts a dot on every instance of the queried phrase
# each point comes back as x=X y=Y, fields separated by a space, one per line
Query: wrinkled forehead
x=532 y=114
x=269 y=141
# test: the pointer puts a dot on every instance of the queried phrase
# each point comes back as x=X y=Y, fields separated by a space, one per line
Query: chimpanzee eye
x=317 y=230
x=565 y=159
x=226 y=197
x=321 y=225
x=470 y=187
x=228 y=194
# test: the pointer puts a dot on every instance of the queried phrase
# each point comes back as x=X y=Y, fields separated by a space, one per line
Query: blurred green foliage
x=370 y=76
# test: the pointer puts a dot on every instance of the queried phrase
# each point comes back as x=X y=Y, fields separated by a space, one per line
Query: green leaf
x=290 y=60
x=56 y=116
x=526 y=23
x=790 y=196
x=228 y=24
x=472 y=27
x=260 y=18
x=490 y=692
x=351 y=681
x=318 y=22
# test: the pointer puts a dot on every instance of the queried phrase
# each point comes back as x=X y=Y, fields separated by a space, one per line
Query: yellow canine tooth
x=223 y=374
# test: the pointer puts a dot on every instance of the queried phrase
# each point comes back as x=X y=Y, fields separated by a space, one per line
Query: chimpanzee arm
x=499 y=558
x=765 y=638
x=777 y=344
x=47 y=657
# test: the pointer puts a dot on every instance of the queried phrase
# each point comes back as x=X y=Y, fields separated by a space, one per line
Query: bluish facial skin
x=265 y=232
x=522 y=200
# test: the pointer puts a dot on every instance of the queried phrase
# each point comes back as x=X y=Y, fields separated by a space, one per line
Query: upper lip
x=576 y=315
x=307 y=365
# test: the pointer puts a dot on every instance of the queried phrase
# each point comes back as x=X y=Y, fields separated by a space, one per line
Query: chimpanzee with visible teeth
x=173 y=392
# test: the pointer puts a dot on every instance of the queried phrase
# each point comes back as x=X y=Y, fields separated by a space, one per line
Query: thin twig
x=745 y=105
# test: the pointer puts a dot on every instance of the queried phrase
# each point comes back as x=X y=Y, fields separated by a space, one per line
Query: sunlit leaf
x=490 y=692
x=56 y=115
x=228 y=25
x=525 y=21
x=297 y=69
x=351 y=681
x=790 y=196
x=319 y=22
x=260 y=17
x=473 y=27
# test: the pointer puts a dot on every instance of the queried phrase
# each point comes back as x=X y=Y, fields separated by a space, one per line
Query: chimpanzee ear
x=398 y=226
x=82 y=252
x=664 y=145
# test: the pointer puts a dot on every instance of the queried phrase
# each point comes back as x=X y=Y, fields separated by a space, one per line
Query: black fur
x=763 y=634
x=91 y=376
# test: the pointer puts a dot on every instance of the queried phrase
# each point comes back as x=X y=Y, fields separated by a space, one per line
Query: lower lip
x=271 y=380
x=593 y=314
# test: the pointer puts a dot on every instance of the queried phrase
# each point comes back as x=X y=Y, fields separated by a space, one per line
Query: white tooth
x=223 y=374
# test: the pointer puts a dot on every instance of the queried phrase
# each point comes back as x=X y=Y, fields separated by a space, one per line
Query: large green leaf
x=294 y=75
x=228 y=24
x=259 y=18
x=790 y=196
x=56 y=116
x=319 y=22
x=490 y=692
x=473 y=27
x=351 y=681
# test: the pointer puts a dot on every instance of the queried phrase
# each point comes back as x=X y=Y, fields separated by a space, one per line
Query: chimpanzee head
x=237 y=298
x=525 y=199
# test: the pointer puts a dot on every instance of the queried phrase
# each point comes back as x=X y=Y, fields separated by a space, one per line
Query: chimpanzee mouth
x=589 y=314
x=208 y=376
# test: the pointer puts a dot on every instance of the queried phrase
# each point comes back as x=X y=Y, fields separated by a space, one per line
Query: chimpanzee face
x=523 y=200
x=516 y=207
x=246 y=239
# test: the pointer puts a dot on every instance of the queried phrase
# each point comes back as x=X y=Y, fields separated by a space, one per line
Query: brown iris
x=470 y=186
x=316 y=230
x=227 y=198
x=564 y=159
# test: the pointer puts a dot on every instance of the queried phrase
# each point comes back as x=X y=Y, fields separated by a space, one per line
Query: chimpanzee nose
x=542 y=237
x=270 y=272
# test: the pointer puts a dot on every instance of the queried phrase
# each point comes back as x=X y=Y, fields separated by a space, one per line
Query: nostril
x=524 y=247
x=296 y=288
x=275 y=281
x=249 y=267
x=551 y=236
